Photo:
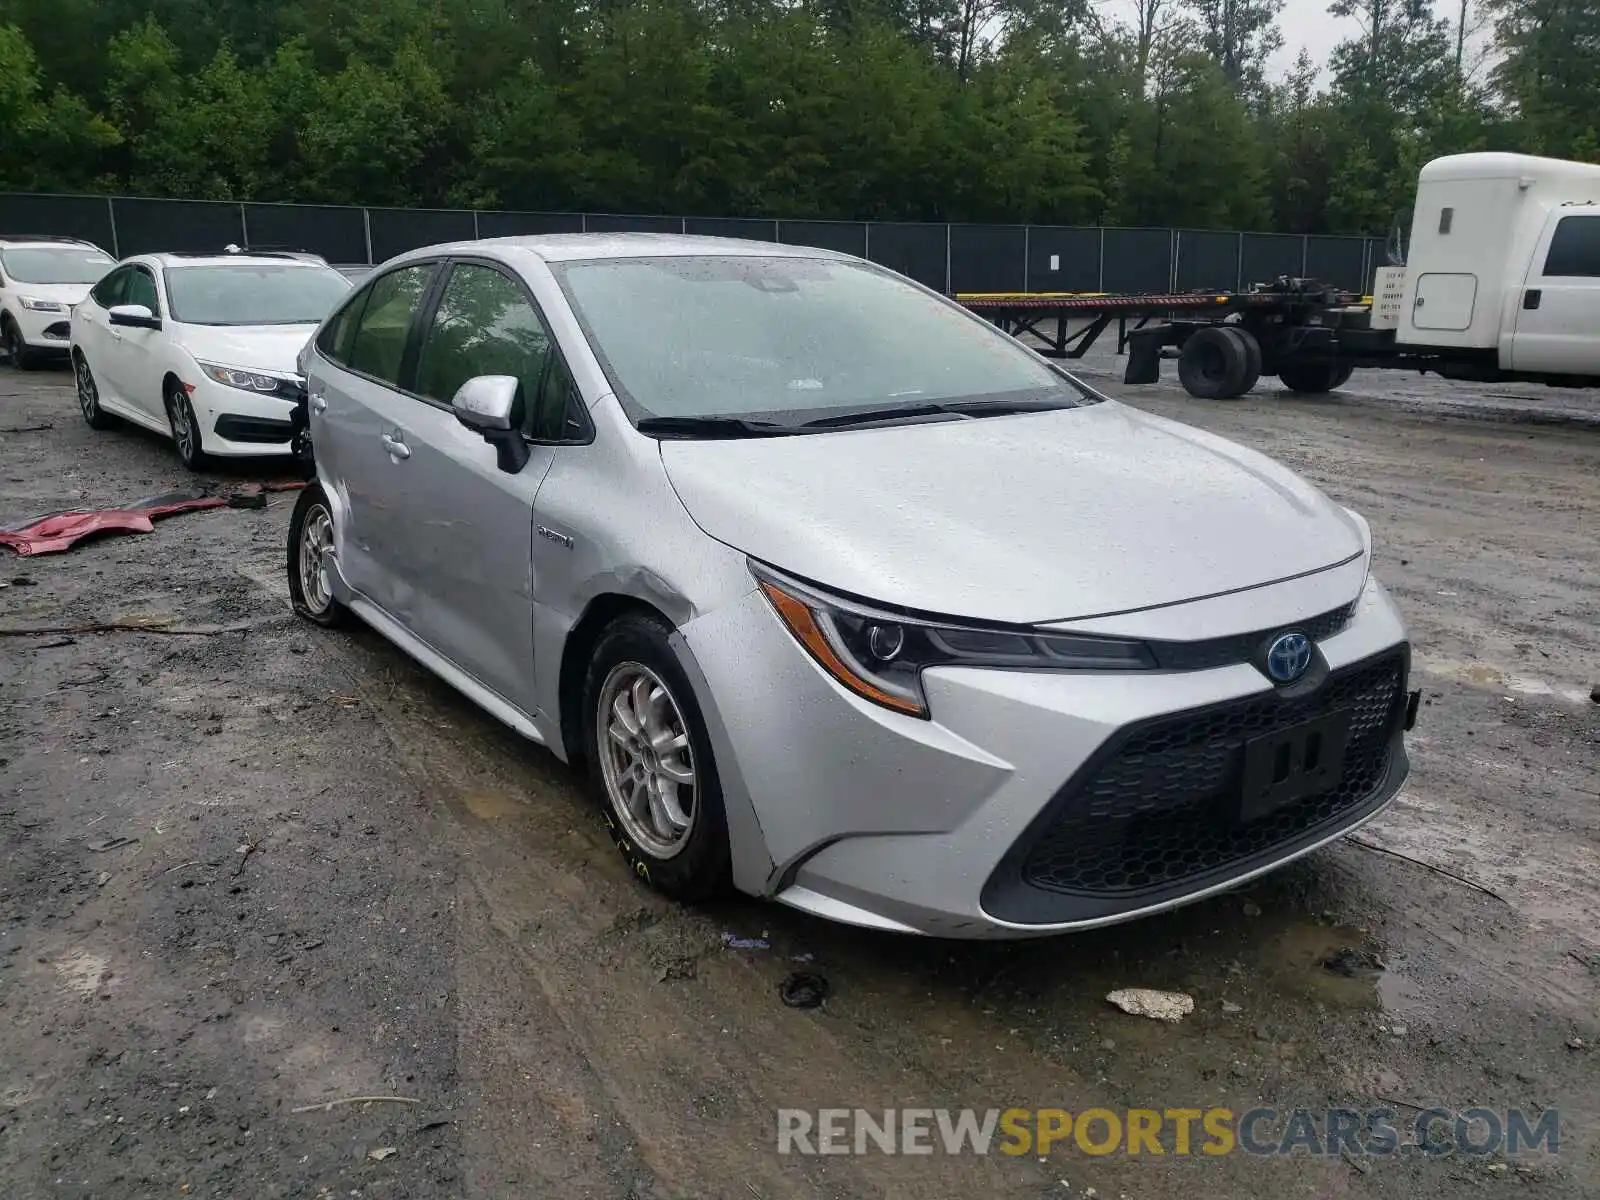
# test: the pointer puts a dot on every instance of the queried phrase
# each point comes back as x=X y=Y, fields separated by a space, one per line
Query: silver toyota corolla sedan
x=843 y=597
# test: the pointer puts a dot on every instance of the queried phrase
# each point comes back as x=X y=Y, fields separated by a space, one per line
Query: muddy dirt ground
x=250 y=871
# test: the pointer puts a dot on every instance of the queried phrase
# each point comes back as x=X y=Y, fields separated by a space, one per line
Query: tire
x=89 y=394
x=1252 y=350
x=1213 y=363
x=1313 y=379
x=185 y=430
x=17 y=351
x=1341 y=377
x=633 y=659
x=309 y=589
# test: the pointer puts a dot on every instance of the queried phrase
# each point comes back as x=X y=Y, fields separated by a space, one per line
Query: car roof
x=11 y=241
x=576 y=247
x=174 y=259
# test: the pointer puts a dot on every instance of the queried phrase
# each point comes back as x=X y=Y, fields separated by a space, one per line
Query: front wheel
x=17 y=350
x=651 y=763
x=311 y=559
x=89 y=394
x=185 y=429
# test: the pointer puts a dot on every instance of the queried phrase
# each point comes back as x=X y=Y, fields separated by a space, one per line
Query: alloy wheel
x=183 y=432
x=88 y=393
x=316 y=541
x=646 y=760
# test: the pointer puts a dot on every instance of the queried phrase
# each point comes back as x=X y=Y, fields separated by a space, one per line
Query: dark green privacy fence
x=953 y=258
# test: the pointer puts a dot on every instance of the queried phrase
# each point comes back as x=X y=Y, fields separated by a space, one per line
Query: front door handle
x=319 y=402
x=396 y=447
x=1531 y=298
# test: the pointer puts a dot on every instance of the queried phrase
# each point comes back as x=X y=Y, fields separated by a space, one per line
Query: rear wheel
x=1252 y=350
x=1213 y=363
x=311 y=559
x=651 y=762
x=1313 y=379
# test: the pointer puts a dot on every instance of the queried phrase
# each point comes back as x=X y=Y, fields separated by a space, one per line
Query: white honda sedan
x=201 y=349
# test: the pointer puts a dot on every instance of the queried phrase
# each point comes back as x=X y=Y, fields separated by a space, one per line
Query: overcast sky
x=1303 y=22
x=1308 y=23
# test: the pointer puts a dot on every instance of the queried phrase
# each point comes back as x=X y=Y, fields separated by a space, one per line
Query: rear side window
x=1575 y=248
x=378 y=344
x=339 y=335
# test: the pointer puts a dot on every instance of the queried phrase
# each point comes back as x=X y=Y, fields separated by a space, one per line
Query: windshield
x=791 y=338
x=254 y=293
x=56 y=264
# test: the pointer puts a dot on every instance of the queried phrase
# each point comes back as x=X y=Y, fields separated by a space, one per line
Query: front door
x=1558 y=313
x=130 y=358
x=465 y=582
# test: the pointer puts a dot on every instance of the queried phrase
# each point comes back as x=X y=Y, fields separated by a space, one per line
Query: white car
x=201 y=348
x=41 y=278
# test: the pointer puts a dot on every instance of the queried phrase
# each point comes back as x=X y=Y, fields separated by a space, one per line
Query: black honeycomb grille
x=1163 y=808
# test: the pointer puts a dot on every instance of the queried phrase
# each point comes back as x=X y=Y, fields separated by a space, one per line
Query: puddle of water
x=1484 y=675
x=490 y=806
x=84 y=972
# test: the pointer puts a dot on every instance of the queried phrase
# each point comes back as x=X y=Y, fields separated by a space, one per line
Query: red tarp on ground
x=59 y=531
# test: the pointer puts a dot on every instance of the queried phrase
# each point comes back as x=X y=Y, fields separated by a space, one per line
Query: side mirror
x=136 y=316
x=492 y=406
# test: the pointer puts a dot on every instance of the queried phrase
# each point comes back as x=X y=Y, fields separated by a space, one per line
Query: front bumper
x=44 y=331
x=234 y=422
x=1032 y=802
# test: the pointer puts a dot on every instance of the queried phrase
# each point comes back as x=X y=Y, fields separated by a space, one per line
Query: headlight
x=881 y=655
x=42 y=305
x=249 y=381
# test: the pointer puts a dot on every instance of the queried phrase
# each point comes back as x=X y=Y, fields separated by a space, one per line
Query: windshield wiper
x=712 y=427
x=953 y=408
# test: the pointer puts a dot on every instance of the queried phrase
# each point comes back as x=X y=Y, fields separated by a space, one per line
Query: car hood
x=62 y=293
x=257 y=347
x=1028 y=519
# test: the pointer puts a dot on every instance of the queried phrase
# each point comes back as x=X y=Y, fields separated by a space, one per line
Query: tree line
x=961 y=110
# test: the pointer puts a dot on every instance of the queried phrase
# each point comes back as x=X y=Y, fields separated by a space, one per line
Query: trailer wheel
x=1213 y=363
x=1313 y=379
x=1252 y=350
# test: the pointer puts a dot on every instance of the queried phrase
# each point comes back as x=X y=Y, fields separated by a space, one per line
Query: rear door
x=355 y=399
x=1557 y=328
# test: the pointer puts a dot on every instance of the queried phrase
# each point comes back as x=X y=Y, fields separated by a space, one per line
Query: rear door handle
x=396 y=447
x=1531 y=298
x=319 y=402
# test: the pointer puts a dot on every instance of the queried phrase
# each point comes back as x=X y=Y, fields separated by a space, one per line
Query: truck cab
x=1504 y=265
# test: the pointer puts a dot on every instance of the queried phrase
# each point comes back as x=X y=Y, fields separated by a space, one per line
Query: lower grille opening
x=265 y=430
x=1165 y=806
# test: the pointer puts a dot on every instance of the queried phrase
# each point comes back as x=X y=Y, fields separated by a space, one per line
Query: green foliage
x=965 y=110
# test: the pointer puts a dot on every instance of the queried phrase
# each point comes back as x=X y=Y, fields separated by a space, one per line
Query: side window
x=378 y=341
x=486 y=326
x=141 y=289
x=1575 y=248
x=108 y=293
x=338 y=335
